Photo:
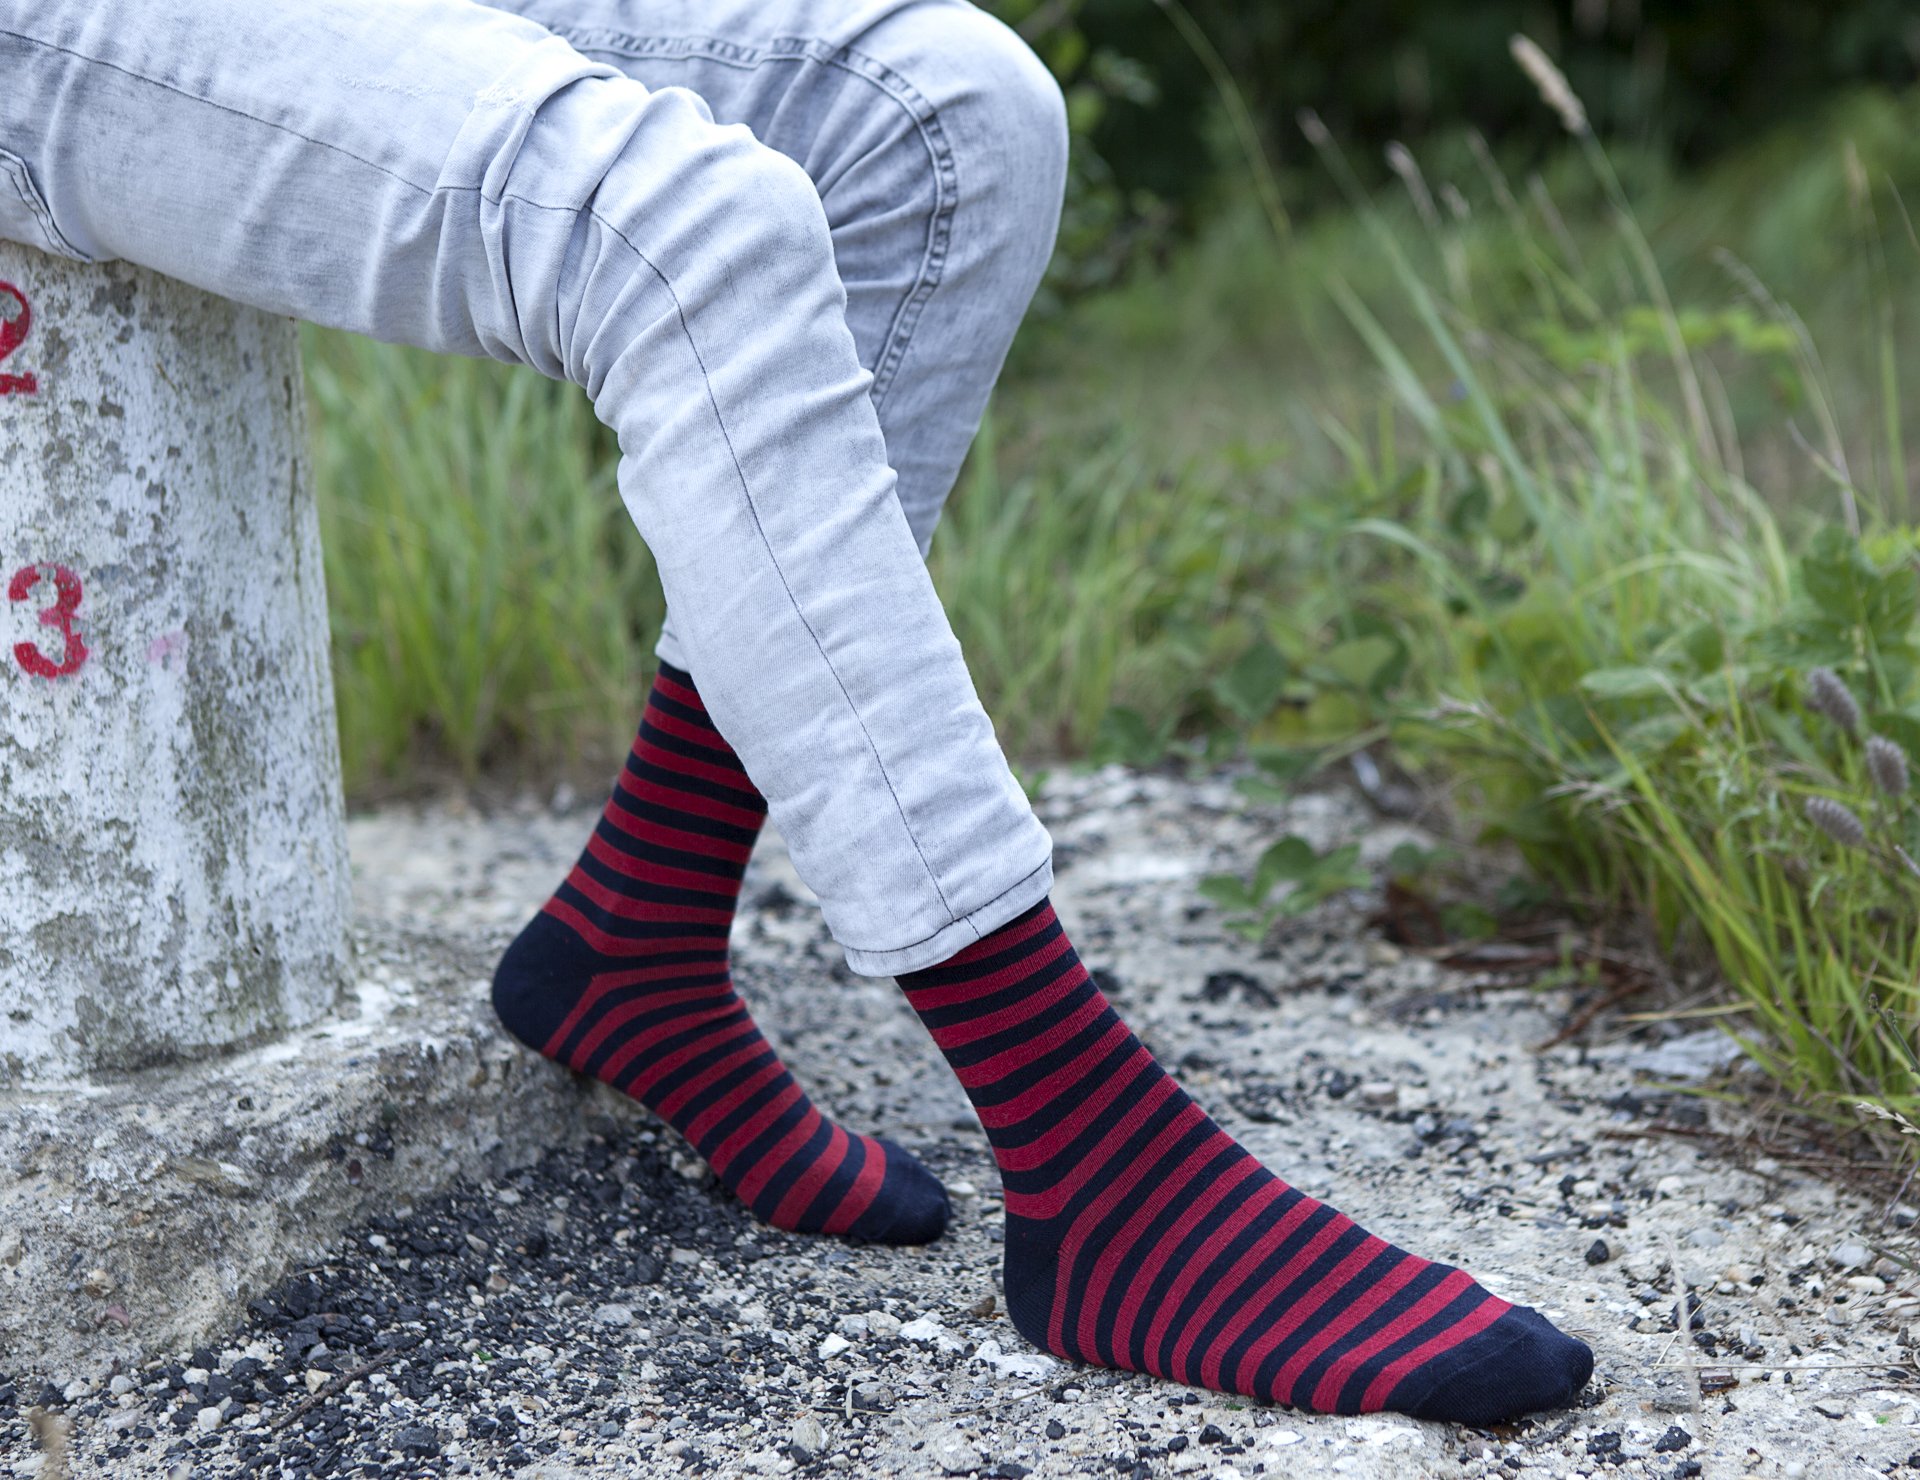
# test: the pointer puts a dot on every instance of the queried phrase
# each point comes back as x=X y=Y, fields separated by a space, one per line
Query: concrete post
x=173 y=873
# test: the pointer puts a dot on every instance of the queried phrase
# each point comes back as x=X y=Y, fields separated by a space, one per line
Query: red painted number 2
x=66 y=606
x=16 y=322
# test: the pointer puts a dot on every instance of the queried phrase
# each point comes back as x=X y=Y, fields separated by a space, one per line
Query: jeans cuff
x=953 y=938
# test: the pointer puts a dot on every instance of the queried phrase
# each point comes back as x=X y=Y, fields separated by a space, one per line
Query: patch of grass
x=1555 y=583
x=492 y=607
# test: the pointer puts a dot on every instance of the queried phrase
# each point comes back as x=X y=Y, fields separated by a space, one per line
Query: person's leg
x=1141 y=1236
x=938 y=143
x=625 y=975
x=456 y=177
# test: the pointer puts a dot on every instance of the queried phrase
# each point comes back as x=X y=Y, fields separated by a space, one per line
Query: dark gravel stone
x=1674 y=1440
x=1598 y=1252
x=1213 y=1434
x=417 y=1441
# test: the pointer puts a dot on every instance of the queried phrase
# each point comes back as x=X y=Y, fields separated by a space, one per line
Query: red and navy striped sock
x=1142 y=1236
x=624 y=975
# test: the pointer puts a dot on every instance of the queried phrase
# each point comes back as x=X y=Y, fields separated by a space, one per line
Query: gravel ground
x=608 y=1312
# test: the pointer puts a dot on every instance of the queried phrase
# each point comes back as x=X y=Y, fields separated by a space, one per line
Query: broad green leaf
x=1229 y=892
x=1359 y=659
x=1126 y=737
x=1253 y=685
x=1261 y=791
x=1291 y=859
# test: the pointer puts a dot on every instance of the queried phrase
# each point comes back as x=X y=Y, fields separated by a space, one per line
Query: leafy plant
x=1311 y=879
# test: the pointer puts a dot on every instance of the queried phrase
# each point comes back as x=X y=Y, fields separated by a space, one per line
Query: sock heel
x=539 y=980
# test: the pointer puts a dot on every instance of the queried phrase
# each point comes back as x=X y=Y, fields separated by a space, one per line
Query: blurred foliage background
x=1686 y=81
x=1553 y=485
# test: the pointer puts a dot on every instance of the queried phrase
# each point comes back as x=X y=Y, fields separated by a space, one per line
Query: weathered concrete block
x=173 y=872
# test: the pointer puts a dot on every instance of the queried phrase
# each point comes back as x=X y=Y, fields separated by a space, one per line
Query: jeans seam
x=193 y=97
x=606 y=42
x=686 y=330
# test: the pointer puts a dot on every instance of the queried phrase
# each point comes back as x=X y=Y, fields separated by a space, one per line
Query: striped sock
x=624 y=976
x=1141 y=1236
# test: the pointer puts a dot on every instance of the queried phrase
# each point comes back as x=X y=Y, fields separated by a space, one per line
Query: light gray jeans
x=782 y=244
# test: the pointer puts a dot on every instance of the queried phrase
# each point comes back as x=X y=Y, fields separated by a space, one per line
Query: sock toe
x=912 y=1207
x=1520 y=1364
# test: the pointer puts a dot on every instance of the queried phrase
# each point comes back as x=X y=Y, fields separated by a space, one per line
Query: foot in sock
x=624 y=975
x=1141 y=1236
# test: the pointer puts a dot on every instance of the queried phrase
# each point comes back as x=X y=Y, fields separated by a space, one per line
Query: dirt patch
x=606 y=1311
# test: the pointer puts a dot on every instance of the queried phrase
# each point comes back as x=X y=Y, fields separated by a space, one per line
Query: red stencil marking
x=67 y=592
x=16 y=322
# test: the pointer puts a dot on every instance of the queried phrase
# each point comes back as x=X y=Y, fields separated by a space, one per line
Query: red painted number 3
x=66 y=606
x=16 y=322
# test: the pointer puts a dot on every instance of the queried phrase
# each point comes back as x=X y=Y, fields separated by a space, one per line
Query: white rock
x=807 y=1434
x=121 y=1384
x=1014 y=1364
x=1852 y=1255
x=854 y=1327
x=884 y=1326
x=929 y=1332
x=614 y=1315
x=193 y=1375
x=834 y=1344
x=954 y=1455
x=209 y=1419
x=316 y=1379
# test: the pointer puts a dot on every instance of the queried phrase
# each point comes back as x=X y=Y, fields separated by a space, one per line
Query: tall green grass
x=492 y=608
x=1561 y=591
